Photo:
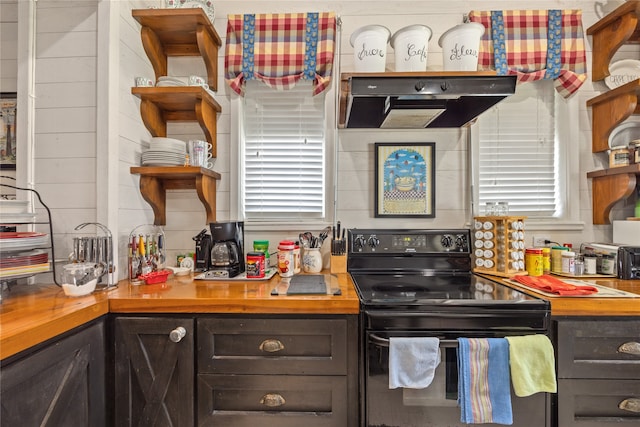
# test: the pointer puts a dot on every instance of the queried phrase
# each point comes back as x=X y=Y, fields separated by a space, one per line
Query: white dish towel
x=413 y=361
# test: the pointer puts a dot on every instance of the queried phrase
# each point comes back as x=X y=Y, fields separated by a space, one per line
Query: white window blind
x=518 y=153
x=283 y=159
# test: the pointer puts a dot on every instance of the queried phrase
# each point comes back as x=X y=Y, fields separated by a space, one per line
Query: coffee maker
x=227 y=249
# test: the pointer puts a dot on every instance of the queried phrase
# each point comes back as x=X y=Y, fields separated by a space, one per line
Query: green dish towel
x=532 y=365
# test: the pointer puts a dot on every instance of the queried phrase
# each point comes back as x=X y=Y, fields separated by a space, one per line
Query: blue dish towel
x=484 y=386
x=413 y=361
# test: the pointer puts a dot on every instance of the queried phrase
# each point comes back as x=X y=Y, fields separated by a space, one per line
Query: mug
x=199 y=153
x=144 y=82
x=198 y=81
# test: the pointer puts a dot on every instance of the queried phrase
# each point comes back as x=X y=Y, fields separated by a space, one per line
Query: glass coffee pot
x=224 y=254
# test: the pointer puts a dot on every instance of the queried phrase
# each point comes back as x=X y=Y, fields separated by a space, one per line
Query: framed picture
x=8 y=108
x=405 y=179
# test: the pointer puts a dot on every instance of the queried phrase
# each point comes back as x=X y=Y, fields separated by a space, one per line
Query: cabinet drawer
x=265 y=400
x=592 y=349
x=272 y=346
x=594 y=403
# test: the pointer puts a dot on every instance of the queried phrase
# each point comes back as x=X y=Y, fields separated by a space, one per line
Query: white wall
x=67 y=171
x=8 y=66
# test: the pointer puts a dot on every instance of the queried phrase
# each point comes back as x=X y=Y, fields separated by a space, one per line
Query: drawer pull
x=630 y=347
x=632 y=405
x=177 y=334
x=271 y=346
x=272 y=400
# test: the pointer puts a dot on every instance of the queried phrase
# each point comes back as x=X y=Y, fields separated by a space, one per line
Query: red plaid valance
x=534 y=45
x=280 y=49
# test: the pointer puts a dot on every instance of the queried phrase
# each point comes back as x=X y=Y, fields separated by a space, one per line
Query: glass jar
x=569 y=262
x=490 y=209
x=502 y=208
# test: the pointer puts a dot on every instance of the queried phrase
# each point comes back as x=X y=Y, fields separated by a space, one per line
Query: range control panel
x=372 y=241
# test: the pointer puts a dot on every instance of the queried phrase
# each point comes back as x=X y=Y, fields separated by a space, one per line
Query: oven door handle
x=384 y=342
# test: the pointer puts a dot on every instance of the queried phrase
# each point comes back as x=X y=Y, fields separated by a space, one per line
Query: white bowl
x=180 y=271
x=79 y=291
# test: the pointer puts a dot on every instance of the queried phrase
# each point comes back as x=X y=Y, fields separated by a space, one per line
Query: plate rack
x=499 y=245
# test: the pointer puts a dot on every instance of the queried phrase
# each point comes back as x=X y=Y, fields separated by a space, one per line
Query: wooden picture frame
x=8 y=110
x=405 y=179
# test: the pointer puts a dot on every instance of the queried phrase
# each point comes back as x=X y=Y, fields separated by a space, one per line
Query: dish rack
x=27 y=251
x=499 y=245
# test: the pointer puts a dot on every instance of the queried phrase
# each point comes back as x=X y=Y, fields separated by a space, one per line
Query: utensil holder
x=147 y=252
x=96 y=249
x=338 y=264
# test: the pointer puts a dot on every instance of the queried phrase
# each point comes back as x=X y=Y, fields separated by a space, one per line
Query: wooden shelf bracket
x=610 y=186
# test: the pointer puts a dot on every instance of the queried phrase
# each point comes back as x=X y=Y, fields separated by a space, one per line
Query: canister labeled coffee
x=255 y=265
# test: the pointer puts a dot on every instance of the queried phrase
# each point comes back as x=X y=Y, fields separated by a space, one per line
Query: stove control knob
x=373 y=242
x=358 y=243
x=461 y=242
x=447 y=241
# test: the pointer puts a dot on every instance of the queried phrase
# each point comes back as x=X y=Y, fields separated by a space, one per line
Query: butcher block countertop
x=31 y=314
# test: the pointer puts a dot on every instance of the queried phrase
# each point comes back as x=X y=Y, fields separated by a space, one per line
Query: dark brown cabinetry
x=60 y=384
x=276 y=370
x=175 y=33
x=285 y=372
x=598 y=372
x=609 y=109
x=154 y=371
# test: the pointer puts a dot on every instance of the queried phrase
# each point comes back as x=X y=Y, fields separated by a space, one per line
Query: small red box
x=156 y=277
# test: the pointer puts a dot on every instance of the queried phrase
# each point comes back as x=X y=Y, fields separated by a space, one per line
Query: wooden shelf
x=617 y=28
x=179 y=32
x=609 y=110
x=178 y=103
x=155 y=181
x=610 y=186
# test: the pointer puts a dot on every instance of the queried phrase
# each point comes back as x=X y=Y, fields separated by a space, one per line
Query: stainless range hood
x=418 y=100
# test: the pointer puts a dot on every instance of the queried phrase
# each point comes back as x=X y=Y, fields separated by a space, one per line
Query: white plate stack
x=170 y=81
x=165 y=152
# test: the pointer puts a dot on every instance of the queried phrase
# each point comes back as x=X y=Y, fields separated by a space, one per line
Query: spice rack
x=499 y=245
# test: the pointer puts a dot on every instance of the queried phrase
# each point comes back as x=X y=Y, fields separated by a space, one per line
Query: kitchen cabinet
x=282 y=371
x=598 y=371
x=266 y=370
x=154 y=371
x=611 y=108
x=61 y=383
x=175 y=33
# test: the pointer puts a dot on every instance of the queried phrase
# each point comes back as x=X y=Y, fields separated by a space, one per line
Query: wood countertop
x=185 y=295
x=31 y=314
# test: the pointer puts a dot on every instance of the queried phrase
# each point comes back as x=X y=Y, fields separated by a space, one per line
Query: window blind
x=284 y=153
x=518 y=153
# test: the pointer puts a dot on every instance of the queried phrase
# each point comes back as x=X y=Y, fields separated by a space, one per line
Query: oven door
x=436 y=405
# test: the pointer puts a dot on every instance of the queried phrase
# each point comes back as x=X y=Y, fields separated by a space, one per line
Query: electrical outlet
x=539 y=240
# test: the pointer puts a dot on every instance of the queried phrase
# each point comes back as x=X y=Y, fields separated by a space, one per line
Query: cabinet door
x=63 y=384
x=598 y=403
x=154 y=376
x=599 y=349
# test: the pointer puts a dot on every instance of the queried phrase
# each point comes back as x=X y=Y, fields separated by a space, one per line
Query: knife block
x=338 y=264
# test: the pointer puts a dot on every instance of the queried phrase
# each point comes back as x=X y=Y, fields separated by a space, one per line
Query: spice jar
x=546 y=260
x=618 y=156
x=634 y=152
x=569 y=262
x=533 y=261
